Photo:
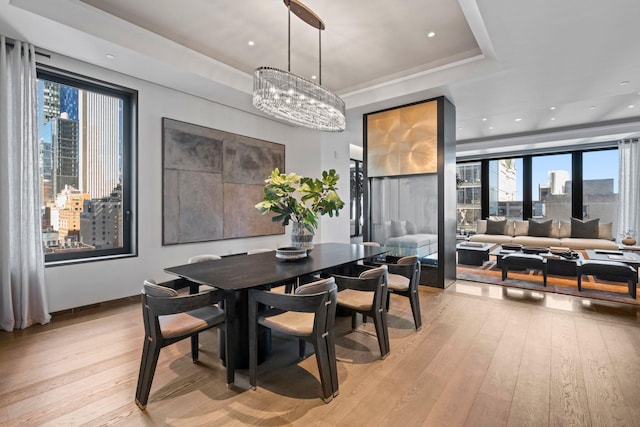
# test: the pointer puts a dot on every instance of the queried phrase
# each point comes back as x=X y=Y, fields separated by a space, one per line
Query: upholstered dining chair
x=309 y=314
x=170 y=317
x=367 y=295
x=404 y=277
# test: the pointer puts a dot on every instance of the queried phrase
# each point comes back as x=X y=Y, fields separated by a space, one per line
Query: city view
x=551 y=188
x=80 y=135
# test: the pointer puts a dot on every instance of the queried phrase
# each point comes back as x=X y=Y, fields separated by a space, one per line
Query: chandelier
x=292 y=98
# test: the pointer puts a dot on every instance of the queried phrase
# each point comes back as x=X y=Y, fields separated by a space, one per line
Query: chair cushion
x=357 y=300
x=290 y=322
x=398 y=282
x=154 y=290
x=175 y=325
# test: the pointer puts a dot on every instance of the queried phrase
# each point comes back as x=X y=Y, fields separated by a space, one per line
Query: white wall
x=307 y=152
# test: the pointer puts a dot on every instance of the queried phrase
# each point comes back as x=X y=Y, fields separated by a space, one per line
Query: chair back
x=415 y=261
x=326 y=315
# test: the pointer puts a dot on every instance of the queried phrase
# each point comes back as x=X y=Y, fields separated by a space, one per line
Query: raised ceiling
x=525 y=74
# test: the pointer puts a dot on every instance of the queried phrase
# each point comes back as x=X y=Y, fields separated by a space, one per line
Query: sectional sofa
x=574 y=234
x=402 y=238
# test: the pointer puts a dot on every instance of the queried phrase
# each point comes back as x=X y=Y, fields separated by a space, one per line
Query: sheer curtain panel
x=629 y=196
x=23 y=299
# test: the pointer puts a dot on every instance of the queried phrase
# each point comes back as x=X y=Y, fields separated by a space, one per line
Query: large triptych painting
x=211 y=181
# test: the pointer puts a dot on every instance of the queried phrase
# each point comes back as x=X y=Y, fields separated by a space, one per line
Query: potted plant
x=301 y=200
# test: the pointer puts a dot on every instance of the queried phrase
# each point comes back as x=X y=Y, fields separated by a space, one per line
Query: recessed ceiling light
x=431 y=34
x=313 y=77
x=553 y=118
x=251 y=43
x=110 y=56
x=552 y=108
x=624 y=82
x=518 y=119
x=459 y=128
x=484 y=119
x=593 y=107
x=630 y=106
x=491 y=128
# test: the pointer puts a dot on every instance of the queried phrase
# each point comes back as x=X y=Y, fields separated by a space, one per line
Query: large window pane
x=469 y=204
x=86 y=146
x=551 y=186
x=600 y=186
x=505 y=188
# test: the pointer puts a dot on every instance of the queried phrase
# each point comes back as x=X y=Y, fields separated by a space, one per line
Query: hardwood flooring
x=486 y=355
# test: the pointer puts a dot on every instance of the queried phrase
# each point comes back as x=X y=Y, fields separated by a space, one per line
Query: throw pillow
x=412 y=228
x=565 y=229
x=605 y=230
x=521 y=228
x=481 y=227
x=540 y=229
x=397 y=229
x=496 y=227
x=585 y=229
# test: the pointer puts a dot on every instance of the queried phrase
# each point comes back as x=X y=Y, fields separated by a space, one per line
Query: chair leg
x=302 y=346
x=414 y=300
x=379 y=321
x=333 y=368
x=194 y=348
x=149 y=360
x=253 y=345
x=322 y=358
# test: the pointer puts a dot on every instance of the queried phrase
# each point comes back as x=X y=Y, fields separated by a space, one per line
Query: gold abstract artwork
x=403 y=141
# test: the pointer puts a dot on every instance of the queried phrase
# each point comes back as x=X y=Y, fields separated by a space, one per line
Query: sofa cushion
x=521 y=228
x=585 y=229
x=412 y=228
x=605 y=230
x=577 y=244
x=555 y=229
x=497 y=227
x=565 y=229
x=412 y=240
x=481 y=226
x=540 y=229
x=398 y=228
x=536 y=241
x=491 y=238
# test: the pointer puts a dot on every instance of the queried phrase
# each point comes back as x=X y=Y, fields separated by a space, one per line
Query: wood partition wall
x=415 y=143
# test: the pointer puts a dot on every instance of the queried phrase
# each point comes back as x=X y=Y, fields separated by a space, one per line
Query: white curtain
x=629 y=192
x=23 y=299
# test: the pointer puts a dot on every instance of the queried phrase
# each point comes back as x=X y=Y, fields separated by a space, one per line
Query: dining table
x=236 y=274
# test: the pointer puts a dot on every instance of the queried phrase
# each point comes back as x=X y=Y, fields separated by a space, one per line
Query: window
x=505 y=188
x=469 y=196
x=355 y=212
x=551 y=186
x=600 y=187
x=86 y=130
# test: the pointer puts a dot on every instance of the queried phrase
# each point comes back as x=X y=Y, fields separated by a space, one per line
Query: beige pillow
x=510 y=229
x=565 y=229
x=605 y=230
x=555 y=229
x=481 y=227
x=521 y=228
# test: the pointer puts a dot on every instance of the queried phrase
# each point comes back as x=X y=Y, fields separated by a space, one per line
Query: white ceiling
x=497 y=60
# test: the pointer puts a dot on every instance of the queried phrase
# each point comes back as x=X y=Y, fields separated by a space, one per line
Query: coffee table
x=473 y=254
x=629 y=258
x=556 y=265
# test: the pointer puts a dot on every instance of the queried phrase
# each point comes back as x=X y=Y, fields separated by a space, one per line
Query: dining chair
x=404 y=277
x=367 y=295
x=170 y=317
x=309 y=314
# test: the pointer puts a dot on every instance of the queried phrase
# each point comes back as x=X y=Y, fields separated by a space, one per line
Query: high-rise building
x=100 y=142
x=101 y=221
x=65 y=214
x=62 y=134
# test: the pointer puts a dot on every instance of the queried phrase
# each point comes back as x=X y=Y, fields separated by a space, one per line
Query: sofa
x=402 y=238
x=573 y=234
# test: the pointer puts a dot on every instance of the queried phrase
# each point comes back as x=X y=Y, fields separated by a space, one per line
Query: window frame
x=129 y=99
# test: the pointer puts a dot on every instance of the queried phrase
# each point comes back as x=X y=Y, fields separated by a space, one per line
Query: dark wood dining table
x=239 y=273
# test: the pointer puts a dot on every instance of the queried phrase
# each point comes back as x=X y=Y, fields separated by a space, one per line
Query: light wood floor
x=487 y=355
